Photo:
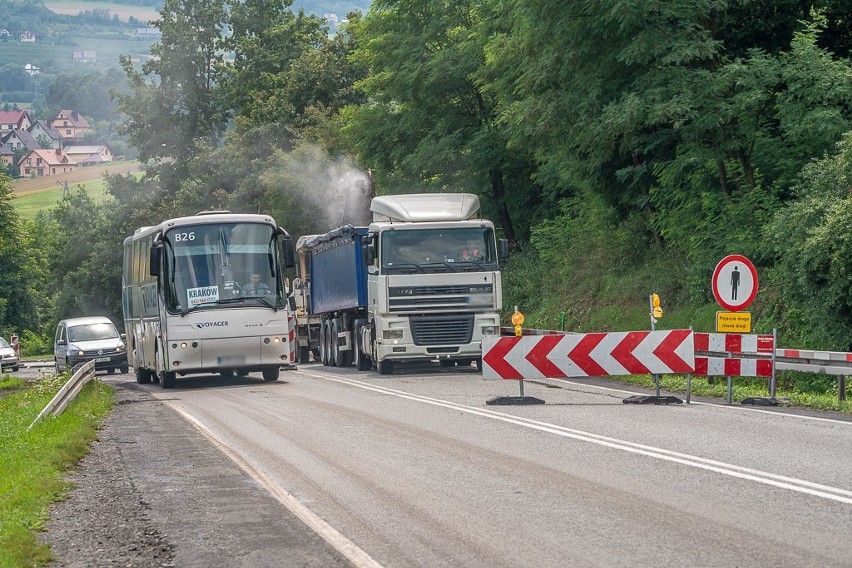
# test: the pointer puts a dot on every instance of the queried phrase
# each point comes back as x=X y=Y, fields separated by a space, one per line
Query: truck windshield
x=438 y=250
x=226 y=264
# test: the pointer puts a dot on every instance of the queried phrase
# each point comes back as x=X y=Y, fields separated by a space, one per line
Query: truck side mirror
x=503 y=249
x=289 y=253
x=369 y=252
x=156 y=256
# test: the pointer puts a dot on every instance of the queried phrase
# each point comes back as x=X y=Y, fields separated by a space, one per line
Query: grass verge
x=34 y=464
x=742 y=388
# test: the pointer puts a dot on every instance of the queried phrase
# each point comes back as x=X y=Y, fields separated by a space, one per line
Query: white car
x=8 y=357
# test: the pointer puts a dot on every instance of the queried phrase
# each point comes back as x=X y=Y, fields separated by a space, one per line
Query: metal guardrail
x=68 y=392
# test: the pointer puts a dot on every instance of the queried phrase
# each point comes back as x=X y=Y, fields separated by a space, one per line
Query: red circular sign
x=735 y=282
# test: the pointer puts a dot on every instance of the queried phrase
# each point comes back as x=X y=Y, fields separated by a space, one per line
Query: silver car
x=8 y=357
x=79 y=340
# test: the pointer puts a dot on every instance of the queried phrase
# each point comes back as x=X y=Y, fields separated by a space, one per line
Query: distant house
x=148 y=33
x=42 y=130
x=70 y=124
x=7 y=156
x=89 y=155
x=31 y=69
x=14 y=120
x=84 y=56
x=18 y=140
x=28 y=37
x=40 y=163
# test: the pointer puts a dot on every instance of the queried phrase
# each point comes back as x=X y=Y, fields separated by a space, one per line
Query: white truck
x=421 y=282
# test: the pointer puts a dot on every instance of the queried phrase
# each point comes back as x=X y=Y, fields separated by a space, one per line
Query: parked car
x=79 y=340
x=8 y=357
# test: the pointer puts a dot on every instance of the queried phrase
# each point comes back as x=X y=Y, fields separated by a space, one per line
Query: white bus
x=194 y=301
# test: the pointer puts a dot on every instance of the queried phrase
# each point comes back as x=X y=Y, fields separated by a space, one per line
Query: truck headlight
x=490 y=330
x=392 y=334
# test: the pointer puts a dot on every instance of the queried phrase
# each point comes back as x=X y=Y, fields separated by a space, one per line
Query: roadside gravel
x=154 y=492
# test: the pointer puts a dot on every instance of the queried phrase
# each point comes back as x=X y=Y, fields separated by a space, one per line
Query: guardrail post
x=841 y=388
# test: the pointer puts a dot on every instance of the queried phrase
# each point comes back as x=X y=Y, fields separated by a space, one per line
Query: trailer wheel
x=331 y=344
x=323 y=341
x=341 y=358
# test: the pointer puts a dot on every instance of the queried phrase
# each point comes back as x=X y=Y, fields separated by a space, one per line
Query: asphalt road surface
x=415 y=469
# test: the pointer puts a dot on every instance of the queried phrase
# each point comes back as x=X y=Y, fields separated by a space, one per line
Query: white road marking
x=766 y=478
x=725 y=406
x=340 y=543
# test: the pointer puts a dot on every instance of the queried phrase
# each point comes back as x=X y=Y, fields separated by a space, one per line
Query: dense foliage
x=623 y=146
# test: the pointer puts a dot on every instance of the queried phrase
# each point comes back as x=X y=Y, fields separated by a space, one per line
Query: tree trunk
x=748 y=170
x=498 y=193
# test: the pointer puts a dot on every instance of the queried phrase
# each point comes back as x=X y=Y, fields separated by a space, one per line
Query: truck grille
x=440 y=298
x=442 y=330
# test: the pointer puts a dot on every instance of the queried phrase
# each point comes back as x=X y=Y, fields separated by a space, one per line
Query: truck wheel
x=361 y=361
x=168 y=379
x=271 y=373
x=385 y=367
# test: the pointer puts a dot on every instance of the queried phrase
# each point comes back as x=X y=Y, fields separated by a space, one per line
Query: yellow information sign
x=733 y=322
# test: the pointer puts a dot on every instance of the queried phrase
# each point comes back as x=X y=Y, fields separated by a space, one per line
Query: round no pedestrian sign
x=735 y=282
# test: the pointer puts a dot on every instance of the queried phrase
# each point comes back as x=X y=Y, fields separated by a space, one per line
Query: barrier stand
x=771 y=400
x=689 y=383
x=656 y=312
x=517 y=321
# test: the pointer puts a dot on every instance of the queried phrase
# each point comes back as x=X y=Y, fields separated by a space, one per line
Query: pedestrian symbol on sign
x=734 y=282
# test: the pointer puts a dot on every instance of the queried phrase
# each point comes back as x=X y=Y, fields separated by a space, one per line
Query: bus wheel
x=168 y=379
x=271 y=373
x=143 y=376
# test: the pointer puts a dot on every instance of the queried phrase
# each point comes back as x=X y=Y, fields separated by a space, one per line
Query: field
x=123 y=11
x=43 y=193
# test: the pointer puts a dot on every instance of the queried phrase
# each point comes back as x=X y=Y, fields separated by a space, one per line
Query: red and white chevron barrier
x=734 y=354
x=588 y=355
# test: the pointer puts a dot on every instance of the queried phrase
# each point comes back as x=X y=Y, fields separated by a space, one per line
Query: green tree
x=18 y=310
x=812 y=240
x=428 y=123
x=267 y=37
x=174 y=107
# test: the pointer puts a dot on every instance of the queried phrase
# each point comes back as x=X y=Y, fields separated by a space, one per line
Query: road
x=415 y=469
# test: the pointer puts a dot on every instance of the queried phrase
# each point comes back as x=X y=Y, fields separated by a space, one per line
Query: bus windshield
x=221 y=264
x=465 y=249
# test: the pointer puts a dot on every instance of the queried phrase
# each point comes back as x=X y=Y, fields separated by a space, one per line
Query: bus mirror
x=503 y=249
x=156 y=255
